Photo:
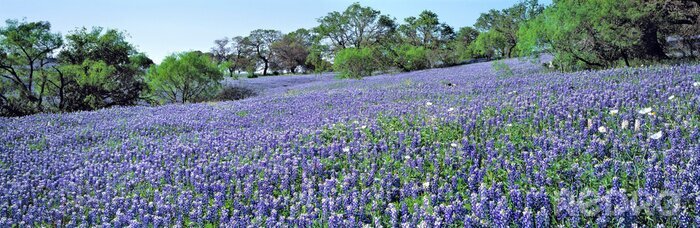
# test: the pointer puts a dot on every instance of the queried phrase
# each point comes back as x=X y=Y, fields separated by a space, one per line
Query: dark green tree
x=603 y=33
x=25 y=54
x=260 y=42
x=357 y=27
x=99 y=69
x=499 y=28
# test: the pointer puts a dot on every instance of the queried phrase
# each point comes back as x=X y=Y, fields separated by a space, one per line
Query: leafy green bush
x=185 y=77
x=356 y=63
x=409 y=57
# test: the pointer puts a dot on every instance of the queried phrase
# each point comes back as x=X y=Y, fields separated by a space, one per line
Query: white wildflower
x=645 y=111
x=602 y=129
x=637 y=125
x=426 y=184
x=453 y=145
x=346 y=149
x=450 y=109
x=363 y=126
x=696 y=84
x=428 y=103
x=625 y=124
x=614 y=111
x=657 y=135
x=671 y=97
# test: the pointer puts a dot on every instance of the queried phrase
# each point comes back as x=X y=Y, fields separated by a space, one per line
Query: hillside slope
x=452 y=146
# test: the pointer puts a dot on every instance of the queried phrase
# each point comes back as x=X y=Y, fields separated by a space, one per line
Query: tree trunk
x=265 y=68
x=652 y=47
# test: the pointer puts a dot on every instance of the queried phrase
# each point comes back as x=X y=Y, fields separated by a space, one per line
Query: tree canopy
x=25 y=51
x=184 y=77
x=601 y=33
x=97 y=70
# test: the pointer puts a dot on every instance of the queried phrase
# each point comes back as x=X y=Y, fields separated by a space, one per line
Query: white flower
x=428 y=103
x=453 y=145
x=407 y=157
x=696 y=84
x=645 y=111
x=671 y=97
x=614 y=111
x=625 y=124
x=450 y=109
x=602 y=129
x=657 y=135
x=363 y=126
x=346 y=149
x=426 y=184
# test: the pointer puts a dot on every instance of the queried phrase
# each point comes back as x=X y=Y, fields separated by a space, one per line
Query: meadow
x=449 y=147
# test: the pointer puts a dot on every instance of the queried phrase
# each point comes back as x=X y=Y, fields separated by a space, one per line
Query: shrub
x=502 y=69
x=409 y=57
x=231 y=93
x=356 y=63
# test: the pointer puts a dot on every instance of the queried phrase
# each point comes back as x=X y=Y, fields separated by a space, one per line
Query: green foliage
x=25 y=48
x=490 y=44
x=99 y=69
x=500 y=28
x=356 y=27
x=356 y=62
x=316 y=60
x=462 y=45
x=409 y=57
x=185 y=77
x=502 y=69
x=606 y=33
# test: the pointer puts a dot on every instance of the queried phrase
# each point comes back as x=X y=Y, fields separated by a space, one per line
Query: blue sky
x=161 y=27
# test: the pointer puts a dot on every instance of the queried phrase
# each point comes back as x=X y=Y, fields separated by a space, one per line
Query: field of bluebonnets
x=461 y=146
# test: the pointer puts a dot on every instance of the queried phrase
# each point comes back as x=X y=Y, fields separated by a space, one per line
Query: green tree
x=357 y=27
x=99 y=69
x=602 y=33
x=357 y=62
x=499 y=28
x=185 y=77
x=428 y=32
x=25 y=53
x=261 y=41
x=464 y=39
x=292 y=50
x=317 y=58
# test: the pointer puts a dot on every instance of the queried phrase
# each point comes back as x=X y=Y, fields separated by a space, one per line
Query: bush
x=356 y=63
x=502 y=69
x=410 y=58
x=185 y=77
x=232 y=93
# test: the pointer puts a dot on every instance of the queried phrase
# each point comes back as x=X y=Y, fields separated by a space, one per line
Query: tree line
x=356 y=42
x=42 y=71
